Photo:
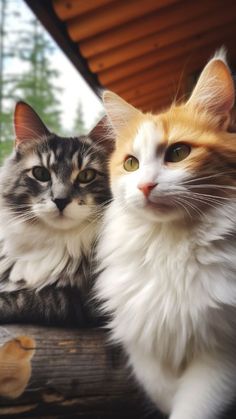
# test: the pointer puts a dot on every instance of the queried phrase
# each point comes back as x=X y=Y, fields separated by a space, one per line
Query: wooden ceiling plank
x=153 y=102
x=156 y=102
x=111 y=16
x=184 y=64
x=156 y=107
x=165 y=97
x=121 y=71
x=170 y=85
x=162 y=71
x=162 y=39
x=67 y=9
x=140 y=28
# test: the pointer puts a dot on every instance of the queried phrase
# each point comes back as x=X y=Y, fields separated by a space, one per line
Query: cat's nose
x=61 y=203
x=146 y=188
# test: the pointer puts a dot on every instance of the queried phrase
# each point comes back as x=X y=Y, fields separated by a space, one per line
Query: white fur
x=42 y=252
x=169 y=285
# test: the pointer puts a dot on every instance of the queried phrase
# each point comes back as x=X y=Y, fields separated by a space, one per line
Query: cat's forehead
x=156 y=134
x=150 y=135
x=63 y=154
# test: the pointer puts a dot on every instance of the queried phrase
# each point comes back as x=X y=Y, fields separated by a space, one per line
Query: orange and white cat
x=167 y=249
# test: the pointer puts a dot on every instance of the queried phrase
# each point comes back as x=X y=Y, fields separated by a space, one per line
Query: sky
x=74 y=88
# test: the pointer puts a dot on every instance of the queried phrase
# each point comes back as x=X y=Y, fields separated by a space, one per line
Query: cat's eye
x=177 y=152
x=131 y=164
x=86 y=175
x=41 y=173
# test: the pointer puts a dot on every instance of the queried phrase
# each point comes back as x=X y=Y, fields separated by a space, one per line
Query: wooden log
x=210 y=39
x=67 y=9
x=144 y=26
x=154 y=73
x=113 y=15
x=164 y=71
x=157 y=102
x=162 y=87
x=153 y=42
x=73 y=372
x=147 y=102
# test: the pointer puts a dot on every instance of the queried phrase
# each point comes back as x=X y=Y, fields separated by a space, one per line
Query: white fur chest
x=39 y=258
x=160 y=282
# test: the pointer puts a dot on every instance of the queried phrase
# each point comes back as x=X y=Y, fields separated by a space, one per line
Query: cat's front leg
x=205 y=389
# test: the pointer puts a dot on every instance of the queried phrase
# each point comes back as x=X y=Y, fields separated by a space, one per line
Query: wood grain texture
x=111 y=16
x=67 y=9
x=74 y=372
x=165 y=38
x=211 y=39
x=139 y=28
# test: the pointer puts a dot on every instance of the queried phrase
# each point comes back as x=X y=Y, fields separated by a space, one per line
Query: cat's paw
x=15 y=365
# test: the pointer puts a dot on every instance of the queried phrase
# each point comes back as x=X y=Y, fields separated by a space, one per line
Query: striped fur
x=40 y=246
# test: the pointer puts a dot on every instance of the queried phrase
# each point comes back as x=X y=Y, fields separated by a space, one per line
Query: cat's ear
x=27 y=124
x=214 y=91
x=119 y=112
x=103 y=136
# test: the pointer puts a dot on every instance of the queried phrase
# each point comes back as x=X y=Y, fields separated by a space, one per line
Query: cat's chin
x=160 y=212
x=61 y=222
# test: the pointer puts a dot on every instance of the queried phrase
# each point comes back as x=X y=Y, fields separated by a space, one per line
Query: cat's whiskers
x=179 y=202
x=203 y=200
x=16 y=221
x=190 y=205
x=207 y=177
x=213 y=186
x=210 y=197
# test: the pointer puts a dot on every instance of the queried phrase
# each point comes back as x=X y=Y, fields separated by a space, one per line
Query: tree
x=37 y=85
x=7 y=81
x=79 y=125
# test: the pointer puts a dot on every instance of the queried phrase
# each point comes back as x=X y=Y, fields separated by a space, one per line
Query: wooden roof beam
x=211 y=38
x=167 y=93
x=154 y=42
x=162 y=71
x=180 y=68
x=112 y=15
x=139 y=28
x=67 y=9
x=172 y=83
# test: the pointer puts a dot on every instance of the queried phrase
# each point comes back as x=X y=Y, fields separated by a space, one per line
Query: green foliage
x=35 y=85
x=6 y=148
x=79 y=125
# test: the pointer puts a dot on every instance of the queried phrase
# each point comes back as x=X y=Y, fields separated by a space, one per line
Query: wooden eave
x=147 y=51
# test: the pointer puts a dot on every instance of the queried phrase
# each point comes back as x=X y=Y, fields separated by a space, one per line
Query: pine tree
x=79 y=125
x=36 y=86
x=7 y=81
x=25 y=42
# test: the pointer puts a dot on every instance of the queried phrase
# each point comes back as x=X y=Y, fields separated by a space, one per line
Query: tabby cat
x=169 y=273
x=53 y=191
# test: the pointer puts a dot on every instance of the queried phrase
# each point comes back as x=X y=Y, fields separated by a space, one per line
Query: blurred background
x=34 y=69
